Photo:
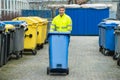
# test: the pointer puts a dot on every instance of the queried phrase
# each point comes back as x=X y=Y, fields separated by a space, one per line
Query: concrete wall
x=42 y=4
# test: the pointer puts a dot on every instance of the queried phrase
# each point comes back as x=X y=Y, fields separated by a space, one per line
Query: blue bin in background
x=107 y=38
x=117 y=43
x=58 y=52
x=101 y=39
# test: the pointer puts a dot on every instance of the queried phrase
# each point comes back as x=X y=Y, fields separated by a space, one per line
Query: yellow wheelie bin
x=45 y=22
x=30 y=40
x=40 y=32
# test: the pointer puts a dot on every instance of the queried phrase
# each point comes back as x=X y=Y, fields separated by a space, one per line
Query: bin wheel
x=34 y=52
x=41 y=46
x=118 y=62
x=100 y=49
x=21 y=54
x=106 y=53
x=17 y=54
x=67 y=71
x=48 y=70
x=103 y=50
x=38 y=47
x=46 y=41
x=115 y=56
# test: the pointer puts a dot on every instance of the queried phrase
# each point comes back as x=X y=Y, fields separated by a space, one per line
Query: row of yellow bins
x=36 y=34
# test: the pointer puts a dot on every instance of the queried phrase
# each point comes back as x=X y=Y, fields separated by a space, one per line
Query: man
x=62 y=22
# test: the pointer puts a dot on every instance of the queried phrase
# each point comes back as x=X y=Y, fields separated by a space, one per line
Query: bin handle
x=37 y=32
x=30 y=35
x=24 y=25
x=11 y=30
x=25 y=29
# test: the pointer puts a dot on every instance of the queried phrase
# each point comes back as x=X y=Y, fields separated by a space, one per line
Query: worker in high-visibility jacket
x=62 y=22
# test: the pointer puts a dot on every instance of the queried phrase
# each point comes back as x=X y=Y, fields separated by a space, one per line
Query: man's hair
x=61 y=7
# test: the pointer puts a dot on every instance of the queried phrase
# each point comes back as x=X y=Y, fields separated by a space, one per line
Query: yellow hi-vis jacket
x=61 y=24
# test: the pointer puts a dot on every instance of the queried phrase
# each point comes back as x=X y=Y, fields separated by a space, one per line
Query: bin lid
x=36 y=18
x=108 y=25
x=9 y=27
x=45 y=20
x=28 y=20
x=59 y=33
x=2 y=26
x=112 y=21
x=16 y=23
x=41 y=20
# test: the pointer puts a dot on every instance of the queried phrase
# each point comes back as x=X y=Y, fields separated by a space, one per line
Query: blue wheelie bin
x=101 y=39
x=58 y=52
x=117 y=46
x=117 y=43
x=18 y=46
x=108 y=37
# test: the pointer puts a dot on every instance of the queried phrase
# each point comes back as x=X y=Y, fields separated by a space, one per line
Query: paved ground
x=85 y=63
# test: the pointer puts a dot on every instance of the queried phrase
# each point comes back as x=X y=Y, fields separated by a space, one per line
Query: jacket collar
x=62 y=16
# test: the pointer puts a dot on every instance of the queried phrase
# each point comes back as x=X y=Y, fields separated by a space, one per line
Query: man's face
x=61 y=11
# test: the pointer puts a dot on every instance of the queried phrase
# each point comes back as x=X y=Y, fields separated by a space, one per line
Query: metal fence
x=12 y=8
